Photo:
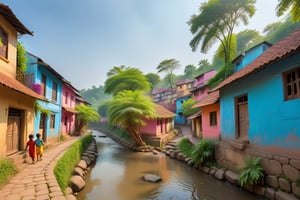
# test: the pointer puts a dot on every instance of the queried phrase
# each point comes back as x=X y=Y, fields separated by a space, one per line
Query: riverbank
x=37 y=181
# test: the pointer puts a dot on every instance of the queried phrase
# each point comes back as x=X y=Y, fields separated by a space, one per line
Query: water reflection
x=118 y=174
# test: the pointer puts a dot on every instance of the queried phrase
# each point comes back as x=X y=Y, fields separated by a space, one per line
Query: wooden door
x=12 y=134
x=42 y=128
x=243 y=120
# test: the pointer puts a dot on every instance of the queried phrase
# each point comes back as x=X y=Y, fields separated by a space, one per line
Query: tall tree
x=247 y=39
x=292 y=5
x=216 y=21
x=153 y=79
x=168 y=66
x=128 y=79
x=85 y=115
x=189 y=71
x=128 y=109
x=115 y=70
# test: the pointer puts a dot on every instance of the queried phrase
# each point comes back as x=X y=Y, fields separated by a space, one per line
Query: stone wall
x=282 y=172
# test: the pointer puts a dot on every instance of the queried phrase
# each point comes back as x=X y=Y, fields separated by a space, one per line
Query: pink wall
x=68 y=101
x=149 y=128
x=207 y=130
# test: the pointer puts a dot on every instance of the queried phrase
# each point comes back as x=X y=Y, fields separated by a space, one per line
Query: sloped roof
x=9 y=16
x=287 y=46
x=68 y=109
x=184 y=81
x=162 y=112
x=211 y=98
x=17 y=86
x=197 y=114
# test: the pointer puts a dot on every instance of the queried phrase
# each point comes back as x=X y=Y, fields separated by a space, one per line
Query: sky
x=83 y=40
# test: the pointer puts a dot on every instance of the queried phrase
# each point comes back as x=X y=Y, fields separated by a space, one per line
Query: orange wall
x=207 y=130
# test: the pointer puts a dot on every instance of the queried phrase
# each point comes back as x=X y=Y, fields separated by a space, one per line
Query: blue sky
x=83 y=40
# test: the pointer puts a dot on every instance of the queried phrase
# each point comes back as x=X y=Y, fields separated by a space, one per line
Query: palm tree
x=168 y=66
x=293 y=5
x=128 y=109
x=85 y=114
x=115 y=70
x=128 y=79
x=216 y=21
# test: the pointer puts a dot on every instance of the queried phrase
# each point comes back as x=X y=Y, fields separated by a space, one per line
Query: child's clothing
x=31 y=145
x=39 y=148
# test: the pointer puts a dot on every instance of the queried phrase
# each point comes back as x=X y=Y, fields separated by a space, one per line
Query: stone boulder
x=77 y=183
x=152 y=178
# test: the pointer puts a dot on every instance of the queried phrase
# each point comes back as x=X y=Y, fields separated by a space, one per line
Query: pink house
x=68 y=108
x=200 y=87
x=162 y=124
x=165 y=97
x=206 y=123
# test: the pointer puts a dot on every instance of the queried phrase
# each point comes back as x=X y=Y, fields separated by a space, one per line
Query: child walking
x=31 y=146
x=39 y=147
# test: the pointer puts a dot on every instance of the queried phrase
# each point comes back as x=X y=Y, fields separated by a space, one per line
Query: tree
x=115 y=70
x=216 y=21
x=21 y=57
x=292 y=5
x=247 y=39
x=153 y=79
x=85 y=115
x=128 y=109
x=128 y=79
x=189 y=71
x=187 y=107
x=168 y=66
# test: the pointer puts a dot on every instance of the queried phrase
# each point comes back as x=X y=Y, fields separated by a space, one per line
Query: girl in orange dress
x=31 y=146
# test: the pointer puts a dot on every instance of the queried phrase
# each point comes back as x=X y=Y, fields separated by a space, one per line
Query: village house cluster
x=38 y=100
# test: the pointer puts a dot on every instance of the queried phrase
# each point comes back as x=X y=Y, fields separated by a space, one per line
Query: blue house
x=43 y=79
x=260 y=112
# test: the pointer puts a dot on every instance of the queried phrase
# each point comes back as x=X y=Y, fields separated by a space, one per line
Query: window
x=66 y=99
x=43 y=85
x=52 y=121
x=291 y=84
x=54 y=91
x=213 y=118
x=3 y=43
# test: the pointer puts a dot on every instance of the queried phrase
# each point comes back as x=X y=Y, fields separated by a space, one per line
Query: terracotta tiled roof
x=211 y=98
x=162 y=112
x=278 y=51
x=197 y=114
x=9 y=16
x=17 y=86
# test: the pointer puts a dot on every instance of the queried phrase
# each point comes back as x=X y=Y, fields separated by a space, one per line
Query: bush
x=7 y=169
x=65 y=165
x=185 y=146
x=204 y=152
x=252 y=172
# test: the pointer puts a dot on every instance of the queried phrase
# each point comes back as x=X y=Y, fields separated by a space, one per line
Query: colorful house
x=259 y=112
x=165 y=97
x=16 y=100
x=46 y=81
x=200 y=87
x=69 y=94
x=183 y=93
x=206 y=123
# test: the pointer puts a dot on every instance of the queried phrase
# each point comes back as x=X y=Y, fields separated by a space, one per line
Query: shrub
x=65 y=165
x=7 y=169
x=185 y=146
x=204 y=152
x=252 y=172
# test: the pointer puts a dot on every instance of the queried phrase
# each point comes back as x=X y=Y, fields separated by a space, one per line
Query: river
x=118 y=174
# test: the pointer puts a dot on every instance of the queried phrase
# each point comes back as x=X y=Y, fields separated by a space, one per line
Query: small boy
x=31 y=146
x=39 y=147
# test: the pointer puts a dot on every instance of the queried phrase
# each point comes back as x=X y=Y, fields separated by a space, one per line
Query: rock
x=70 y=197
x=82 y=164
x=280 y=195
x=152 y=178
x=78 y=171
x=220 y=174
x=232 y=177
x=77 y=183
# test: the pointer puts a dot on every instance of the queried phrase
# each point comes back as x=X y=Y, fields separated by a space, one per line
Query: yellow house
x=16 y=100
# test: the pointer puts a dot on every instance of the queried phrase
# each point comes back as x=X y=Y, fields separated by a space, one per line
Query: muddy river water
x=118 y=174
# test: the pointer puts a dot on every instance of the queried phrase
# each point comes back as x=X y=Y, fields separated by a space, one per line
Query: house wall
x=179 y=118
x=68 y=100
x=150 y=128
x=8 y=66
x=273 y=121
x=12 y=99
x=209 y=131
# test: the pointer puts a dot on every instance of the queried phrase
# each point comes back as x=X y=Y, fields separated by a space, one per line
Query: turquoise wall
x=273 y=121
x=180 y=119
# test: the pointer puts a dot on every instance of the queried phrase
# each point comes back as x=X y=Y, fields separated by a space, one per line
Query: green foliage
x=21 y=58
x=129 y=79
x=251 y=172
x=189 y=71
x=65 y=165
x=231 y=53
x=185 y=146
x=7 y=169
x=224 y=72
x=103 y=108
x=168 y=66
x=247 y=39
x=86 y=113
x=38 y=108
x=116 y=70
x=95 y=95
x=292 y=5
x=122 y=133
x=187 y=107
x=204 y=152
x=153 y=79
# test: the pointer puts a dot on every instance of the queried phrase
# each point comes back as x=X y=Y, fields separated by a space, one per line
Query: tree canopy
x=168 y=66
x=292 y=5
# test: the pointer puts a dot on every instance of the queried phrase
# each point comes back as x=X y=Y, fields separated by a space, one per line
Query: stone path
x=37 y=181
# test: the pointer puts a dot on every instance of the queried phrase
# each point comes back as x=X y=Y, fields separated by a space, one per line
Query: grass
x=204 y=153
x=185 y=146
x=65 y=165
x=7 y=169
